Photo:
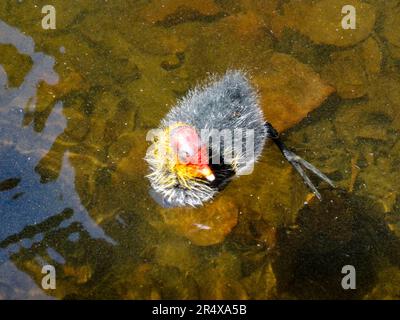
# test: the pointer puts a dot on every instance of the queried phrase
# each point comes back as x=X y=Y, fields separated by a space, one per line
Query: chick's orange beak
x=206 y=172
x=201 y=166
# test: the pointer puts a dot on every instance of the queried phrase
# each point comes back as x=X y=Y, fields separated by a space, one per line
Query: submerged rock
x=217 y=288
x=346 y=73
x=137 y=283
x=261 y=284
x=371 y=120
x=169 y=13
x=371 y=142
x=388 y=285
x=206 y=225
x=321 y=21
x=391 y=30
x=178 y=254
x=289 y=90
x=174 y=284
x=9 y=57
x=372 y=55
x=247 y=25
x=128 y=152
x=219 y=278
x=153 y=282
x=82 y=274
x=350 y=71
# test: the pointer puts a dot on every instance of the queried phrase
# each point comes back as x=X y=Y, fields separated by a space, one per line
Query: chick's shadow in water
x=344 y=229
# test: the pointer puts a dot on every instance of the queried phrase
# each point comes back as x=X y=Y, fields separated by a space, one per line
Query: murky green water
x=76 y=104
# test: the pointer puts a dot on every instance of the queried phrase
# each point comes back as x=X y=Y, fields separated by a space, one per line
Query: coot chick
x=189 y=164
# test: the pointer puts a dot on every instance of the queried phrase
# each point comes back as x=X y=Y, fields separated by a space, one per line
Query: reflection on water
x=29 y=208
x=75 y=106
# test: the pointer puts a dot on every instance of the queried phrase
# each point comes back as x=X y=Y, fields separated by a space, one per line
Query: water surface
x=76 y=104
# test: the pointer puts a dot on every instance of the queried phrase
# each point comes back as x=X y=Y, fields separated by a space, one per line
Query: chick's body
x=227 y=103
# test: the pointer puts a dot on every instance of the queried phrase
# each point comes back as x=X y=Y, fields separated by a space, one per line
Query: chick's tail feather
x=297 y=162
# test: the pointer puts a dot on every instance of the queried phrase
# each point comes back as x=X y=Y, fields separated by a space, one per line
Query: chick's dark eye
x=183 y=156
